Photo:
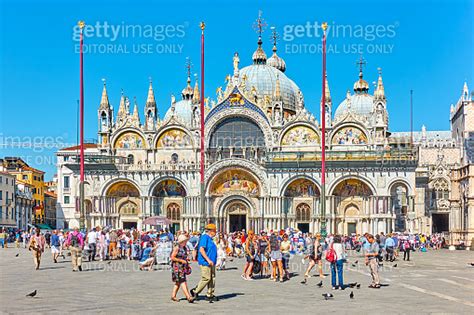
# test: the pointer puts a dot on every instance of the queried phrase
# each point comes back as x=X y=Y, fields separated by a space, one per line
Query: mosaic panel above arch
x=302 y=187
x=173 y=138
x=130 y=140
x=123 y=189
x=169 y=188
x=351 y=188
x=234 y=180
x=300 y=135
x=349 y=135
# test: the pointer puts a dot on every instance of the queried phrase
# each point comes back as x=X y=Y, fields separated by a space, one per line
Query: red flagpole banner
x=81 y=122
x=81 y=93
x=323 y=138
x=203 y=200
x=202 y=102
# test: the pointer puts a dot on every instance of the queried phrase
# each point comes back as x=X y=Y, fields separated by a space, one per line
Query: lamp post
x=323 y=138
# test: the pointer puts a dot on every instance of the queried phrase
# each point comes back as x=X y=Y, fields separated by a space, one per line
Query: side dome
x=182 y=111
x=277 y=62
x=359 y=104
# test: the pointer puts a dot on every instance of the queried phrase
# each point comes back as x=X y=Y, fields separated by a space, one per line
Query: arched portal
x=352 y=205
x=399 y=204
x=237 y=216
x=125 y=198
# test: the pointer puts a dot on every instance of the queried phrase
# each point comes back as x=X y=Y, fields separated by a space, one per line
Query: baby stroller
x=257 y=266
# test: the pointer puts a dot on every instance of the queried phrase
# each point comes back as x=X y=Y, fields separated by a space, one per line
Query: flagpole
x=81 y=123
x=323 y=139
x=203 y=200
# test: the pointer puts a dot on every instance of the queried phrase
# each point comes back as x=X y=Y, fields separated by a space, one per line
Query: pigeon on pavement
x=327 y=296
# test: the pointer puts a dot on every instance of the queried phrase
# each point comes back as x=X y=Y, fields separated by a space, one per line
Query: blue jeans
x=339 y=264
x=2 y=241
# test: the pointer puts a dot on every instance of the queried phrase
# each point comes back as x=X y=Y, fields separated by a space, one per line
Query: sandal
x=174 y=299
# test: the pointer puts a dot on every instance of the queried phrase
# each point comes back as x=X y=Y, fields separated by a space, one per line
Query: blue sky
x=425 y=46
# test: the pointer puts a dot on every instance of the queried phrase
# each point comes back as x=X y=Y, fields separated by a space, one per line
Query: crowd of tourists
x=266 y=254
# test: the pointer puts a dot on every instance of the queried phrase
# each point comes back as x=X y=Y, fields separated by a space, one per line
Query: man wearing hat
x=207 y=258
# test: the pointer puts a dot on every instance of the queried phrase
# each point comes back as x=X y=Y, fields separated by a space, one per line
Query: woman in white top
x=338 y=264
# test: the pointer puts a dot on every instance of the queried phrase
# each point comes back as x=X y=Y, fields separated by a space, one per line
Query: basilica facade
x=262 y=160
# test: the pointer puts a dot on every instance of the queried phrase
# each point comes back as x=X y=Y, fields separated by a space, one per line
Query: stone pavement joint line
x=440 y=295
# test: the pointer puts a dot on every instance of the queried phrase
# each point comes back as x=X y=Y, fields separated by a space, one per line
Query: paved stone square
x=434 y=282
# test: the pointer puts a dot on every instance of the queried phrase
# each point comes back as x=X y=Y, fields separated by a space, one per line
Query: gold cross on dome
x=188 y=67
x=260 y=24
x=361 y=63
x=275 y=37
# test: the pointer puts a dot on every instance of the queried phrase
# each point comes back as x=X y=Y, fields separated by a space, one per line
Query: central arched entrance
x=236 y=212
x=126 y=199
x=352 y=204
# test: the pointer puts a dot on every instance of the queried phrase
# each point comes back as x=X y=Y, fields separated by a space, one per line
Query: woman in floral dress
x=180 y=269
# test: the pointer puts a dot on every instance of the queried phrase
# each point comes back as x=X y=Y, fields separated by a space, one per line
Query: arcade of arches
x=236 y=202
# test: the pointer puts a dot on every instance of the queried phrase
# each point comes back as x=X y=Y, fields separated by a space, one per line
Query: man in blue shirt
x=389 y=248
x=207 y=258
x=55 y=246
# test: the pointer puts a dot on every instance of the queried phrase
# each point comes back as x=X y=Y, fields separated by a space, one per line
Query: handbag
x=331 y=254
x=187 y=269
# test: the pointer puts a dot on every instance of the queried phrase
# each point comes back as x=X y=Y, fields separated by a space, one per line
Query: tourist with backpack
x=406 y=249
x=75 y=242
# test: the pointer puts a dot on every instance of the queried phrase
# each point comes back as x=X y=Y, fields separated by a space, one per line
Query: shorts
x=54 y=249
x=147 y=261
x=248 y=258
x=275 y=255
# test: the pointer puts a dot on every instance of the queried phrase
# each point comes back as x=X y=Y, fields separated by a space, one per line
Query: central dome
x=264 y=78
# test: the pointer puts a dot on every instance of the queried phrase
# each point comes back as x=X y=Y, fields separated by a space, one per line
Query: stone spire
x=135 y=116
x=196 y=96
x=122 y=110
x=379 y=93
x=104 y=101
x=150 y=100
x=277 y=93
x=465 y=92
x=328 y=93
